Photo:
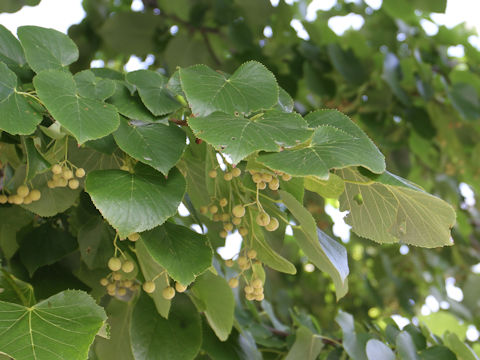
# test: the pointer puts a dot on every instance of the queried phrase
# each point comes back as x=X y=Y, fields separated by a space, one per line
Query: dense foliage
x=253 y=130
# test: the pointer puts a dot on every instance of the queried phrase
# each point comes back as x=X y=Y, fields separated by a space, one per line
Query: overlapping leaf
x=47 y=48
x=336 y=143
x=251 y=87
x=389 y=209
x=184 y=253
x=85 y=118
x=239 y=136
x=89 y=86
x=324 y=252
x=157 y=145
x=62 y=326
x=152 y=89
x=16 y=114
x=135 y=202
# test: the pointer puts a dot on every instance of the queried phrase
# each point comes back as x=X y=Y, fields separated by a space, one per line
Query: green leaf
x=285 y=101
x=331 y=188
x=184 y=253
x=62 y=326
x=336 y=143
x=307 y=345
x=217 y=298
x=95 y=240
x=150 y=269
x=47 y=49
x=378 y=350
x=252 y=87
x=45 y=245
x=157 y=145
x=154 y=337
x=462 y=350
x=443 y=321
x=406 y=347
x=15 y=290
x=85 y=118
x=239 y=136
x=36 y=163
x=347 y=64
x=393 y=75
x=324 y=252
x=353 y=343
x=11 y=6
x=267 y=255
x=437 y=353
x=135 y=202
x=13 y=219
x=92 y=87
x=464 y=98
x=438 y=6
x=152 y=89
x=118 y=346
x=393 y=210
x=11 y=52
x=16 y=114
x=130 y=105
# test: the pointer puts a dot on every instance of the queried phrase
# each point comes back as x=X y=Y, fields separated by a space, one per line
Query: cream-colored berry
x=261 y=185
x=257 y=283
x=51 y=184
x=267 y=177
x=243 y=231
x=242 y=260
x=286 y=177
x=17 y=200
x=117 y=276
x=168 y=293
x=203 y=210
x=148 y=287
x=3 y=199
x=27 y=200
x=212 y=174
x=121 y=291
x=111 y=288
x=223 y=234
x=114 y=264
x=229 y=262
x=250 y=297
x=57 y=169
x=248 y=289
x=103 y=282
x=23 y=191
x=238 y=211
x=223 y=202
x=257 y=291
x=80 y=172
x=236 y=221
x=260 y=297
x=272 y=225
x=225 y=217
x=228 y=227
x=251 y=254
x=133 y=237
x=274 y=184
x=67 y=174
x=128 y=266
x=257 y=177
x=233 y=283
x=236 y=172
x=228 y=176
x=213 y=209
x=73 y=184
x=216 y=217
x=128 y=283
x=180 y=288
x=263 y=219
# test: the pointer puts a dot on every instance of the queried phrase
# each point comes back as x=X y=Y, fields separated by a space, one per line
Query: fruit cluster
x=24 y=195
x=63 y=175
x=115 y=282
x=168 y=292
x=254 y=285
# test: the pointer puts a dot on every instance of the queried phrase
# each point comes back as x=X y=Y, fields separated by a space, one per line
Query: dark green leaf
x=92 y=87
x=378 y=350
x=15 y=290
x=36 y=163
x=307 y=345
x=11 y=52
x=13 y=219
x=95 y=240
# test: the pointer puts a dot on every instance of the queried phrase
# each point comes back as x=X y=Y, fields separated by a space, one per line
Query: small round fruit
x=61 y=182
x=236 y=221
x=124 y=168
x=250 y=297
x=243 y=231
x=242 y=260
x=263 y=219
x=228 y=176
x=213 y=209
x=259 y=297
x=223 y=234
x=203 y=210
x=114 y=264
x=148 y=287
x=257 y=283
x=257 y=177
x=216 y=217
x=225 y=217
x=133 y=237
x=68 y=174
x=223 y=202
x=73 y=184
x=261 y=185
x=286 y=177
x=267 y=178
x=248 y=289
x=117 y=276
x=168 y=293
x=17 y=200
x=238 y=211
x=51 y=184
x=233 y=283
x=258 y=291
x=212 y=174
x=229 y=263
x=272 y=225
x=128 y=283
x=56 y=169
x=121 y=291
x=274 y=184
x=252 y=254
x=80 y=172
x=228 y=227
x=23 y=191
x=179 y=287
x=111 y=288
x=236 y=172
x=27 y=200
x=3 y=199
x=103 y=282
x=128 y=266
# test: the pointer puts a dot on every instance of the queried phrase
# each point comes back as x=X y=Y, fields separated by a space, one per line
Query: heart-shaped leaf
x=239 y=136
x=336 y=143
x=157 y=145
x=62 y=326
x=252 y=87
x=184 y=253
x=16 y=114
x=85 y=118
x=89 y=86
x=135 y=202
